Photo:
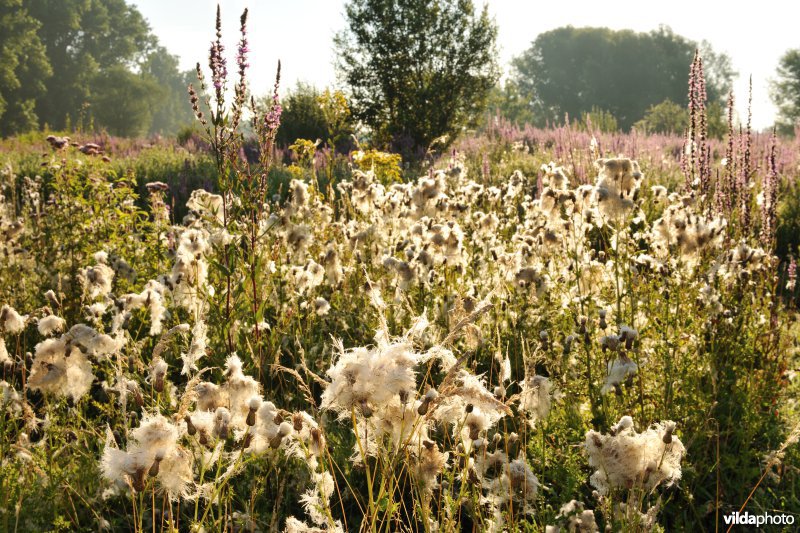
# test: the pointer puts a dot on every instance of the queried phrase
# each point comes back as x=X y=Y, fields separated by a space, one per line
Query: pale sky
x=300 y=33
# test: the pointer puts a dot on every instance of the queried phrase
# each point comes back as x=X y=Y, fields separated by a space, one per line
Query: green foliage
x=507 y=101
x=86 y=64
x=599 y=120
x=785 y=91
x=23 y=68
x=302 y=116
x=338 y=117
x=716 y=117
x=570 y=70
x=169 y=108
x=123 y=102
x=788 y=230
x=667 y=118
x=417 y=69
x=82 y=39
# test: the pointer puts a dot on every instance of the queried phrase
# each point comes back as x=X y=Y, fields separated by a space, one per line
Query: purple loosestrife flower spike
x=769 y=213
x=217 y=62
x=240 y=90
x=273 y=117
x=241 y=55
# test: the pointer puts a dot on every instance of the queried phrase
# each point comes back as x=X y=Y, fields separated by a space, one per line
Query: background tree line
x=86 y=64
x=638 y=78
x=416 y=73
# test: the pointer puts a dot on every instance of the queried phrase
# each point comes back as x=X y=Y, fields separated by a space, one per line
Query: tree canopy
x=23 y=67
x=785 y=91
x=64 y=62
x=417 y=69
x=573 y=70
x=302 y=116
x=311 y=114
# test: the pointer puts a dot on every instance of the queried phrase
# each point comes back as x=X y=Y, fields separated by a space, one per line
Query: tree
x=665 y=118
x=571 y=70
x=785 y=91
x=505 y=100
x=417 y=69
x=669 y=118
x=171 y=111
x=83 y=38
x=123 y=102
x=23 y=68
x=302 y=116
x=310 y=114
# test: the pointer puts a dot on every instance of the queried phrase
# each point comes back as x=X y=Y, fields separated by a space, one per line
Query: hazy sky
x=299 y=33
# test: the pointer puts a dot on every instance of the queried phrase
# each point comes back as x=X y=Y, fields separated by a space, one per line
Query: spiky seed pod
x=138 y=479
x=297 y=422
x=190 y=428
x=668 y=431
x=137 y=397
x=429 y=397
x=154 y=468
x=422 y=410
x=403 y=396
x=366 y=410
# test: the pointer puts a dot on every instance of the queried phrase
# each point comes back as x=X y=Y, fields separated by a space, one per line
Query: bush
x=667 y=118
x=302 y=116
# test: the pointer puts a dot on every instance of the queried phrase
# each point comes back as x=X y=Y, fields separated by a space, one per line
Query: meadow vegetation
x=536 y=329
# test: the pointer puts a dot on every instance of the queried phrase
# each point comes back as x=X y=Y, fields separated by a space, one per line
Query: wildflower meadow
x=535 y=329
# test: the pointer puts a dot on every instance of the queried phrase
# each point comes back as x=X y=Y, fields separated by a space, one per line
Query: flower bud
x=669 y=430
x=137 y=480
x=190 y=428
x=156 y=464
x=366 y=410
x=297 y=422
x=422 y=410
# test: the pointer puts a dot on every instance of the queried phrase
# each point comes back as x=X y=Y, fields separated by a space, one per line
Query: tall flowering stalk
x=266 y=128
x=726 y=192
x=696 y=158
x=745 y=165
x=218 y=65
x=791 y=274
x=769 y=214
x=237 y=178
x=240 y=90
